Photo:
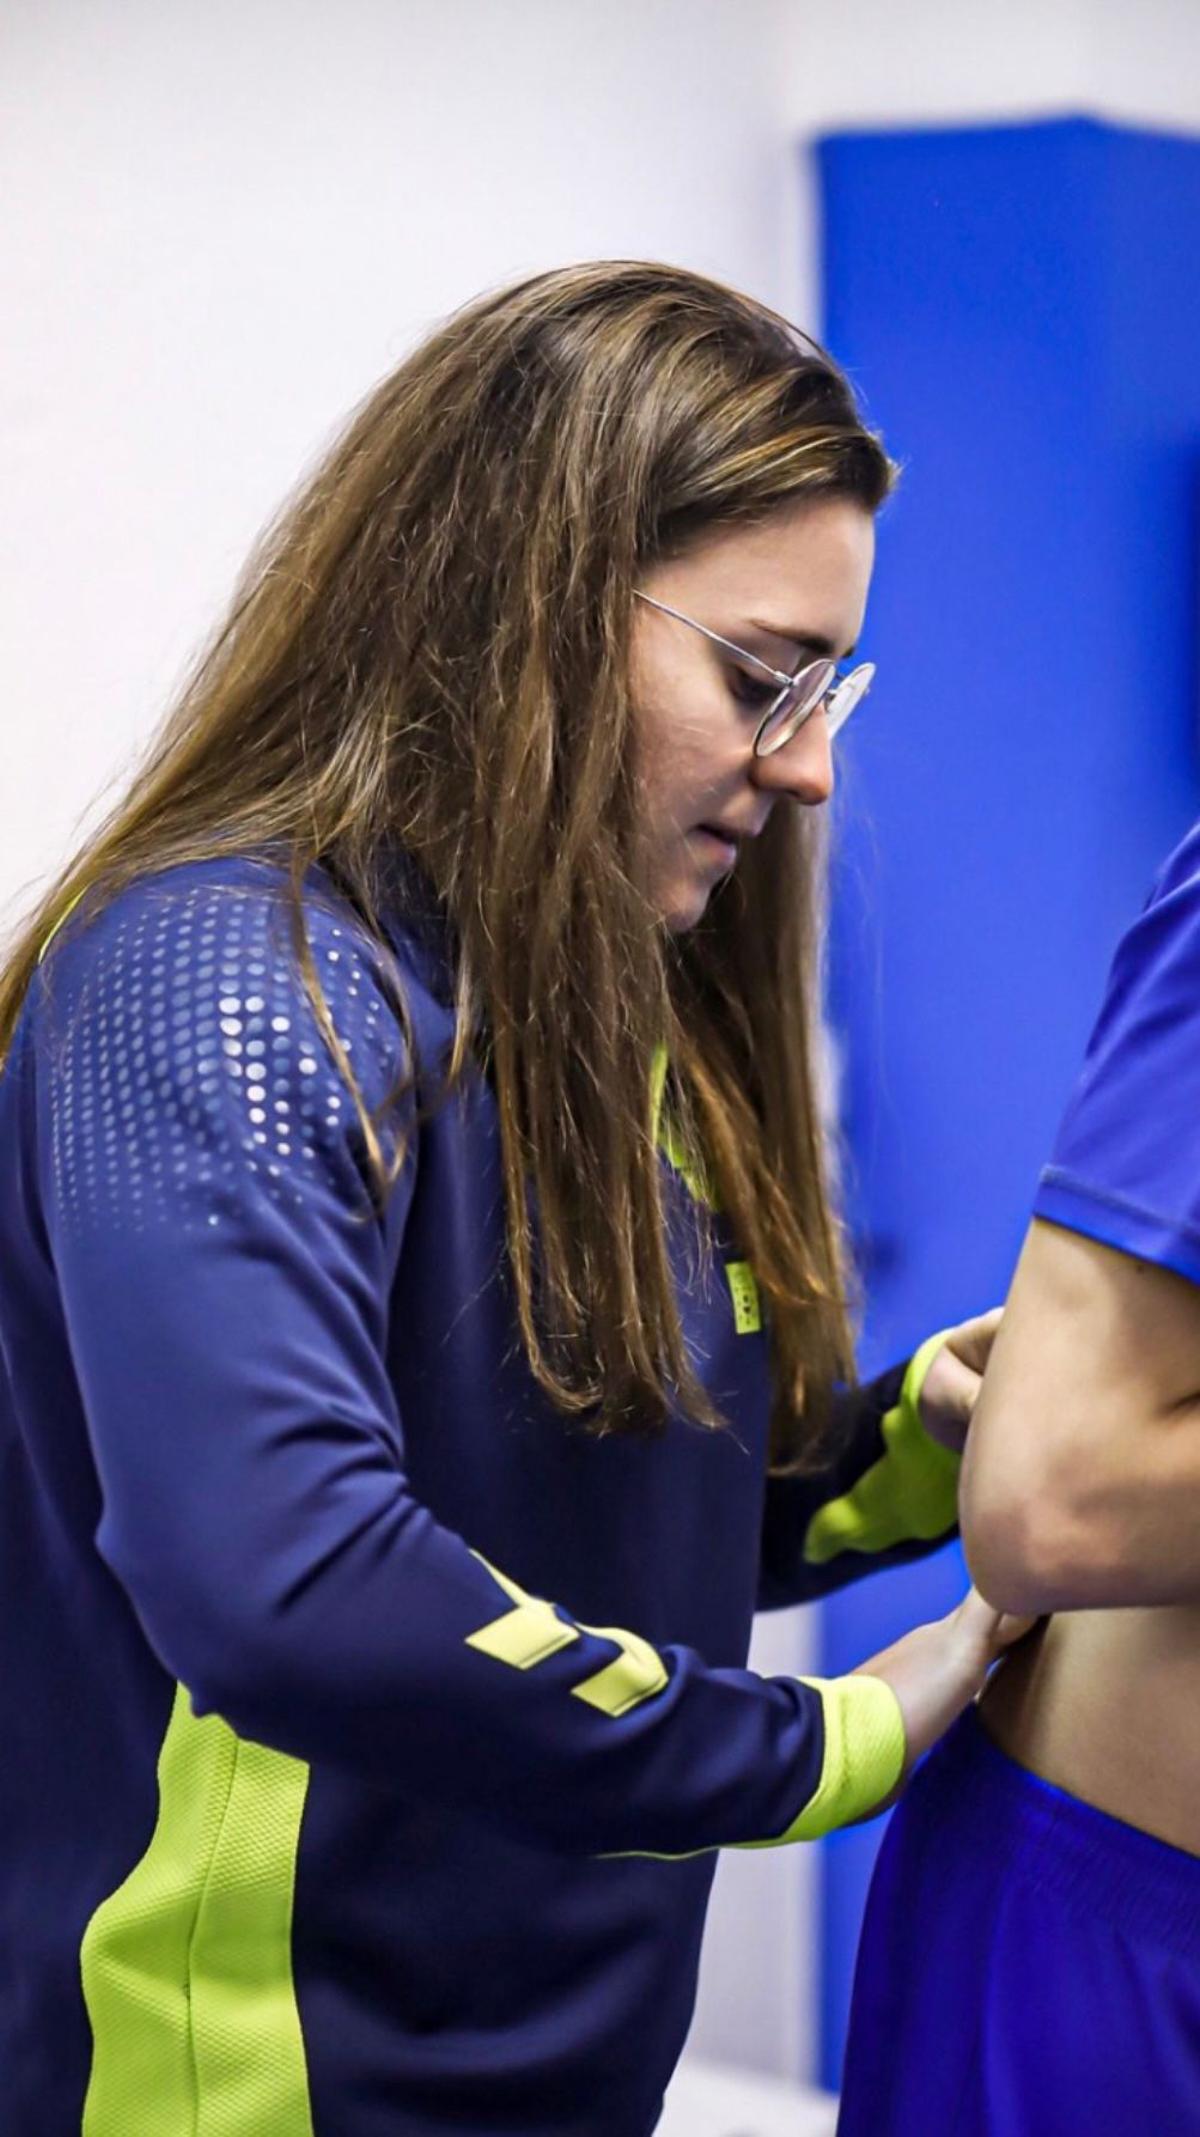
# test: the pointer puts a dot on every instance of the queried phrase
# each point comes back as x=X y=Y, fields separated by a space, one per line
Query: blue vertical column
x=1020 y=308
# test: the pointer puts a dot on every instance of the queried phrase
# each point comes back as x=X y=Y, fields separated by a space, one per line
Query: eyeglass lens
x=795 y=705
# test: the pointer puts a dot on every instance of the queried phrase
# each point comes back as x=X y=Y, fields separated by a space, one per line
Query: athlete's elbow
x=1041 y=1549
x=1051 y=1556
x=1012 y=1567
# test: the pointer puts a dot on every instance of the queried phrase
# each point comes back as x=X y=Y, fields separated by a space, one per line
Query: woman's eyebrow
x=804 y=641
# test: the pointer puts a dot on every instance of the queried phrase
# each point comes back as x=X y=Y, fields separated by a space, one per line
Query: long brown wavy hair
x=429 y=652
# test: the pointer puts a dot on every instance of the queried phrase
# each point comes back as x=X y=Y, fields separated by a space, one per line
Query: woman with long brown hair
x=423 y=1321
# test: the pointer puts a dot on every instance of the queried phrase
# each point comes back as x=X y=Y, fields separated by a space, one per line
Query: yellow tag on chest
x=747 y=1312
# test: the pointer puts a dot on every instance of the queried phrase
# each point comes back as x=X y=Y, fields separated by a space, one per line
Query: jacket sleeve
x=227 y=1293
x=888 y=1493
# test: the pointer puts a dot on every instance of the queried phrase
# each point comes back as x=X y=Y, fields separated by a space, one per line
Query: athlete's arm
x=1082 y=1480
x=1081 y=1483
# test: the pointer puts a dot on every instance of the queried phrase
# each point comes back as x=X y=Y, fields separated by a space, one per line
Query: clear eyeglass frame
x=800 y=694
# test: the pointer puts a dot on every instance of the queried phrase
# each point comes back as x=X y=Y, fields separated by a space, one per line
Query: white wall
x=947 y=62
x=226 y=217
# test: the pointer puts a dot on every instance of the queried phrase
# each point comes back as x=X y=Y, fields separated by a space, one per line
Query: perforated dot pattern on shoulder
x=192 y=1073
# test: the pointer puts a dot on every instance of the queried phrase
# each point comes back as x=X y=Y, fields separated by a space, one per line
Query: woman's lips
x=719 y=848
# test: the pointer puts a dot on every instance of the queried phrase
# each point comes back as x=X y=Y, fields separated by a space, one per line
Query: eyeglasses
x=799 y=696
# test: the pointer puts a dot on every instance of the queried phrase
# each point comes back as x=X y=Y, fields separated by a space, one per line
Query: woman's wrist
x=939 y=1668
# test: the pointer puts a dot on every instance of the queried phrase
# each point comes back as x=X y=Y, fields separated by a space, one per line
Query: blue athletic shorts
x=1029 y=1967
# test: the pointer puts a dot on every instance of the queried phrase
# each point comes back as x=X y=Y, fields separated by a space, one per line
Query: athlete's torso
x=1106 y=1704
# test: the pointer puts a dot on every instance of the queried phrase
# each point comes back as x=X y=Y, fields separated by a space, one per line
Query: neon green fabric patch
x=909 y=1494
x=187 y=1967
x=696 y=1178
x=700 y=1184
x=64 y=915
x=524 y=1636
x=747 y=1309
x=639 y=1673
x=532 y=1631
x=864 y=1756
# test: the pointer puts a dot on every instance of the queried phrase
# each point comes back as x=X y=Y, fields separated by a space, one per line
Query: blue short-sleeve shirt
x=1125 y=1166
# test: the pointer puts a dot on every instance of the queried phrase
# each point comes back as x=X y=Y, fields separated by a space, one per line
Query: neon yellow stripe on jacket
x=64 y=915
x=532 y=1631
x=187 y=1967
x=698 y=1181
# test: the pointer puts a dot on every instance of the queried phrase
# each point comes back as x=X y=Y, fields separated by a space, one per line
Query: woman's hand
x=951 y=1385
x=937 y=1670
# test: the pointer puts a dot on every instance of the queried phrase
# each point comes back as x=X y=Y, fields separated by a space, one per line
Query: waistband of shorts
x=1095 y=1863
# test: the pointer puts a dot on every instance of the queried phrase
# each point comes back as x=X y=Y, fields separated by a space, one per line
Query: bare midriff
x=1106 y=1704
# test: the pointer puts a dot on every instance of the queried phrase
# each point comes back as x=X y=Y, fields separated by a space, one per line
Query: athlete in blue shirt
x=421 y=1318
x=1030 y=1964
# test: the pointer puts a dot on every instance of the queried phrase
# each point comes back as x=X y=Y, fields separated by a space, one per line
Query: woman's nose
x=803 y=767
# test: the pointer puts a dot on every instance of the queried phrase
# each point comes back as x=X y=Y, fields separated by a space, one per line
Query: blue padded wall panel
x=1020 y=307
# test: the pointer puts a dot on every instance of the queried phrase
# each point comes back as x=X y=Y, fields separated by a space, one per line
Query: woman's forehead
x=797 y=580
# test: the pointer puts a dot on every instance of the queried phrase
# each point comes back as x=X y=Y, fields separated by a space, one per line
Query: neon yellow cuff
x=910 y=1495
x=930 y=1470
x=864 y=1756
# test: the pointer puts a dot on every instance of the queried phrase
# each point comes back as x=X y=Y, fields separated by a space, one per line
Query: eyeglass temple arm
x=743 y=652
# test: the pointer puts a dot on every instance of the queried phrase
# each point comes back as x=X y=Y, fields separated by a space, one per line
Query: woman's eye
x=752 y=690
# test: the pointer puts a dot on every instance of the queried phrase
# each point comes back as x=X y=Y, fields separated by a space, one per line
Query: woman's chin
x=683 y=912
x=682 y=893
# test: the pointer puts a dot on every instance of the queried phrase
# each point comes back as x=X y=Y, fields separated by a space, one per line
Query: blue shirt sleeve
x=1125 y=1166
x=227 y=1291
